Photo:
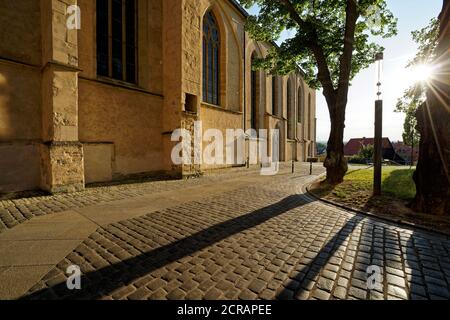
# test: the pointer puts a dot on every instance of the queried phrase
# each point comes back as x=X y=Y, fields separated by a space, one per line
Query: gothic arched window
x=254 y=99
x=310 y=119
x=275 y=96
x=290 y=112
x=300 y=106
x=211 y=59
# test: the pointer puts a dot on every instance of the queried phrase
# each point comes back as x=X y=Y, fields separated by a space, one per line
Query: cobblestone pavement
x=262 y=241
x=14 y=212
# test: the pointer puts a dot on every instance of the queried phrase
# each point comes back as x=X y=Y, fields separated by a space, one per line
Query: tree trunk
x=433 y=118
x=335 y=162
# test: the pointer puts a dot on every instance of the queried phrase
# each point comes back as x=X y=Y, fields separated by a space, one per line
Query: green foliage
x=415 y=96
x=364 y=156
x=323 y=25
x=367 y=151
x=411 y=136
x=426 y=38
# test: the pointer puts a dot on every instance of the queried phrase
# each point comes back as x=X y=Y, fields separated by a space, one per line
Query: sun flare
x=420 y=73
x=407 y=77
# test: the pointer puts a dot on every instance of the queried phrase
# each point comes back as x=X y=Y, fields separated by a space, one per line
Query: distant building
x=354 y=146
x=321 y=148
x=406 y=152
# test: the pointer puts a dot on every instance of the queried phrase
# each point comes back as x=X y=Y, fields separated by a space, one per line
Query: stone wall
x=61 y=125
x=20 y=95
x=126 y=119
x=130 y=120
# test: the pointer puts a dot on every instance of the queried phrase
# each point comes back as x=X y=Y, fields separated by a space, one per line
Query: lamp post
x=378 y=152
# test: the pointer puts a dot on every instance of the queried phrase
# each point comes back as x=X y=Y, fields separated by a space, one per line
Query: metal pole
x=378 y=155
x=310 y=167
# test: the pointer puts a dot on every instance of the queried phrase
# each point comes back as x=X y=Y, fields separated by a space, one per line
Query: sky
x=412 y=15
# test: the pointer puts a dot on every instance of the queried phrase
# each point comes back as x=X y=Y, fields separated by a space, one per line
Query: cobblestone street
x=235 y=235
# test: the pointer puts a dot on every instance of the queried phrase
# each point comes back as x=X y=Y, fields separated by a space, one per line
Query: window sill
x=190 y=113
x=219 y=108
x=275 y=117
x=120 y=84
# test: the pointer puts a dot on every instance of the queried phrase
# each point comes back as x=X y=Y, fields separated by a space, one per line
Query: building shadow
x=100 y=283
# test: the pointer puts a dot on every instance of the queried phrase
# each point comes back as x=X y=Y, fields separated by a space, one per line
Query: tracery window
x=211 y=59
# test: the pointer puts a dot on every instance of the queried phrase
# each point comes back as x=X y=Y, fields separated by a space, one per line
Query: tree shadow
x=101 y=282
x=427 y=261
x=400 y=183
x=404 y=263
x=305 y=277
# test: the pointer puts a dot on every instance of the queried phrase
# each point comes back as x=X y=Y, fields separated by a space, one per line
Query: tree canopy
x=321 y=28
x=331 y=45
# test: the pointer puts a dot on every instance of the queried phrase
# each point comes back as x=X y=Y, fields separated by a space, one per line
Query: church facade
x=99 y=101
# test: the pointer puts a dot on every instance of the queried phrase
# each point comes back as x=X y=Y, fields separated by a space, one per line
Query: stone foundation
x=62 y=167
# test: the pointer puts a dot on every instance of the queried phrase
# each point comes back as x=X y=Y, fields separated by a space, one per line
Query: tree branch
x=349 y=40
x=294 y=14
x=324 y=74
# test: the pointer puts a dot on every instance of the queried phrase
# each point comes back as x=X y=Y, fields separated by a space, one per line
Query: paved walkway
x=231 y=236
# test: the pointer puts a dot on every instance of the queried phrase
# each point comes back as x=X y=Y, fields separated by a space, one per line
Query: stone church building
x=99 y=102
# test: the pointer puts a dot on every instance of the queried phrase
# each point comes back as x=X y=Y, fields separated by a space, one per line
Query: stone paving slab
x=34 y=252
x=68 y=225
x=29 y=251
x=15 y=281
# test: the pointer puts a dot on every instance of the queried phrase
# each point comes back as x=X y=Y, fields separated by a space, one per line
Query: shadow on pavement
x=404 y=260
x=101 y=282
x=307 y=275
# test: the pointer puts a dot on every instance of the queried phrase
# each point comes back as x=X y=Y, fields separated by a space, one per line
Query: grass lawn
x=397 y=182
x=398 y=189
